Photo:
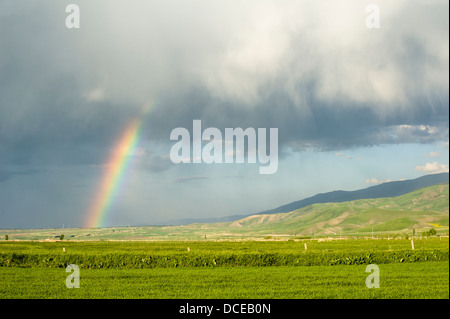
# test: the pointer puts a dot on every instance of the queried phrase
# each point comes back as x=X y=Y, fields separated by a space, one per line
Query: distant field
x=414 y=280
x=225 y=253
x=216 y=232
x=269 y=246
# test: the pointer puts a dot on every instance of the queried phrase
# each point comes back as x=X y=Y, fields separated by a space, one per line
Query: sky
x=354 y=106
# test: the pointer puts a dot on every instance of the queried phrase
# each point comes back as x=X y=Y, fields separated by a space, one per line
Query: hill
x=419 y=209
x=390 y=189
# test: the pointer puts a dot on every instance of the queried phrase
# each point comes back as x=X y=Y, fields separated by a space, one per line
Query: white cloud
x=416 y=133
x=377 y=181
x=434 y=167
x=426 y=129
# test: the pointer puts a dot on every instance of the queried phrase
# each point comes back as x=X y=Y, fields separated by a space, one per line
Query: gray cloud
x=310 y=68
x=326 y=81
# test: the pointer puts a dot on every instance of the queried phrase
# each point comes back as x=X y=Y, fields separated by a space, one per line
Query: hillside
x=418 y=209
x=389 y=189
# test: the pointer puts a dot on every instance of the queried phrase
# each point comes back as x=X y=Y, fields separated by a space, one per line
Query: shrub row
x=136 y=260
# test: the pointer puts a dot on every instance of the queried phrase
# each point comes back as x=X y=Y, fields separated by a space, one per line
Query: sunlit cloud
x=433 y=168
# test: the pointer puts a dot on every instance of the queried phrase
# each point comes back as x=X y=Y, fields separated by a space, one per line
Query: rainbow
x=115 y=168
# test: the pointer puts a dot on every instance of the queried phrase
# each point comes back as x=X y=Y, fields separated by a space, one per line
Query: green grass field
x=414 y=280
x=205 y=247
x=226 y=269
x=224 y=253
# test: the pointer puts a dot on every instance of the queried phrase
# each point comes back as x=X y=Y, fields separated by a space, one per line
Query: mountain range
x=420 y=209
x=389 y=189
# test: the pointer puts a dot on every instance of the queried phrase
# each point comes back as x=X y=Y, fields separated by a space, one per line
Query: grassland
x=418 y=280
x=211 y=269
x=216 y=254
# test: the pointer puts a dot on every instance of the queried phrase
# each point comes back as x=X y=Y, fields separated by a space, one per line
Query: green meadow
x=225 y=269
x=414 y=280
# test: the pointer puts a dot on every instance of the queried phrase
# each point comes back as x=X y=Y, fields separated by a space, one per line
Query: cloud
x=433 y=168
x=312 y=70
x=377 y=181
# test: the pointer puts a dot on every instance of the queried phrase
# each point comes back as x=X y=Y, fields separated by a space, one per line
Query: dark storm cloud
x=327 y=126
x=312 y=69
x=325 y=81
